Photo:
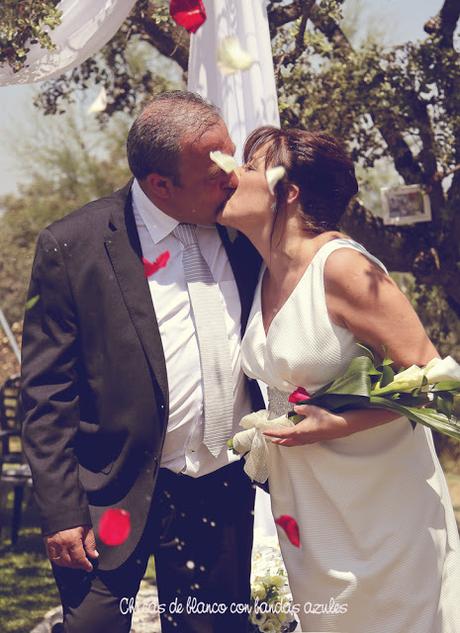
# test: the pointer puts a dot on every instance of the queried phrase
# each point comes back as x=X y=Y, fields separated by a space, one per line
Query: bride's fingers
x=279 y=432
x=289 y=442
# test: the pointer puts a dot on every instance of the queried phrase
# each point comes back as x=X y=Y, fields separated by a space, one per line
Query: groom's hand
x=70 y=548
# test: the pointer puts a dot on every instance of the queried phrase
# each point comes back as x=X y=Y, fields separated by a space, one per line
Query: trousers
x=200 y=533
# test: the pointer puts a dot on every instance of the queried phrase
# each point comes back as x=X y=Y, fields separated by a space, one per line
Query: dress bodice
x=303 y=347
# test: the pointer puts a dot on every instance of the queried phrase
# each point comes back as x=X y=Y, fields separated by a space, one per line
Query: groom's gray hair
x=157 y=136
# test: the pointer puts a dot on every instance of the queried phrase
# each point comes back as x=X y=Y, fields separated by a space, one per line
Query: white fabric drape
x=246 y=99
x=86 y=26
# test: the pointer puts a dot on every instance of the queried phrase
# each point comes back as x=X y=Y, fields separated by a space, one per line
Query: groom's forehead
x=215 y=138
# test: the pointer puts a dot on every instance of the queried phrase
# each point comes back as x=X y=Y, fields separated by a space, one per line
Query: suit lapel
x=125 y=253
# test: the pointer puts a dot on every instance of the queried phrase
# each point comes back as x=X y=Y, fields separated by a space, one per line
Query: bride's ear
x=293 y=193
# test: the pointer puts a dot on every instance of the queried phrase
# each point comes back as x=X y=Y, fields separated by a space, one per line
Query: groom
x=132 y=384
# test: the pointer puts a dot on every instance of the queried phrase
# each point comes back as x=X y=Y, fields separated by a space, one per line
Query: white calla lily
x=410 y=378
x=440 y=370
x=274 y=175
x=224 y=161
x=231 y=56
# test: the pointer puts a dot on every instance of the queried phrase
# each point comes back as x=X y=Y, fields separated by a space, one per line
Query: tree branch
x=443 y=25
x=170 y=43
x=404 y=160
x=290 y=58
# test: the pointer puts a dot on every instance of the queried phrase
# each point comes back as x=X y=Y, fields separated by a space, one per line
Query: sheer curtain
x=86 y=26
x=247 y=100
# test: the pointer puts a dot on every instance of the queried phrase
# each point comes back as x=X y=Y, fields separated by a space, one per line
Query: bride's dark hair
x=317 y=163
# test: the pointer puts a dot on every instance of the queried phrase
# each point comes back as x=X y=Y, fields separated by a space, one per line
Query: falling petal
x=150 y=268
x=114 y=526
x=274 y=175
x=100 y=102
x=190 y=14
x=224 y=161
x=290 y=526
x=32 y=301
x=190 y=564
x=231 y=57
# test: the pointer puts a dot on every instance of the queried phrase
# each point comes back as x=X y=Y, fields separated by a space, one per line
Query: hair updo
x=317 y=163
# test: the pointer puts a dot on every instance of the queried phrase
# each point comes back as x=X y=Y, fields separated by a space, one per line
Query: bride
x=379 y=546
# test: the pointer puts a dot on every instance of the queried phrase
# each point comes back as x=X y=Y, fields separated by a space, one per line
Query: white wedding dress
x=378 y=537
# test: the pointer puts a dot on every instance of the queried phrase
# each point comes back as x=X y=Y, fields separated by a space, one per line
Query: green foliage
x=24 y=23
x=439 y=320
x=65 y=168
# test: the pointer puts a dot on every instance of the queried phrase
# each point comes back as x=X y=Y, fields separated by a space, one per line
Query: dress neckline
x=262 y=275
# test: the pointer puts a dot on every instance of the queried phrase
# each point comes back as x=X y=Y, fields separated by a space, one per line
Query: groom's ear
x=158 y=186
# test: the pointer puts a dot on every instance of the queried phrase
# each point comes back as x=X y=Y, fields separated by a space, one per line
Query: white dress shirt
x=183 y=450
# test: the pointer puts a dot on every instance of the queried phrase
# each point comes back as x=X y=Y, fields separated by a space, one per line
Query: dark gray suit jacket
x=94 y=383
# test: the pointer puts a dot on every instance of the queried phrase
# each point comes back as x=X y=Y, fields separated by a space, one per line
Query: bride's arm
x=367 y=302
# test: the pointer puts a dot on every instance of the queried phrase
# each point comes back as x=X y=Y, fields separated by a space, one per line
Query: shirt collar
x=158 y=223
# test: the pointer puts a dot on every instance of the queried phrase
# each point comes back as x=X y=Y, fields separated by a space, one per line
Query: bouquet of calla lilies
x=429 y=395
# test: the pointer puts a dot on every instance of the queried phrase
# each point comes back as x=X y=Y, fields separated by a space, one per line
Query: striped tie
x=216 y=362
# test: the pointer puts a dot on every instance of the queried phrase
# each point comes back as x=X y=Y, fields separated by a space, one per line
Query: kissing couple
x=159 y=307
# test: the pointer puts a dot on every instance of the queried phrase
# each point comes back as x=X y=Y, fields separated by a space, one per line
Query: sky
x=403 y=20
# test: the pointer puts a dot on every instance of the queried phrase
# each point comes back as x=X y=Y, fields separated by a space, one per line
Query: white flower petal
x=445 y=369
x=411 y=377
x=274 y=175
x=224 y=161
x=231 y=57
x=100 y=102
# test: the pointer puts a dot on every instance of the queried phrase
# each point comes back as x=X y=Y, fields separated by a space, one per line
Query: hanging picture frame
x=405 y=204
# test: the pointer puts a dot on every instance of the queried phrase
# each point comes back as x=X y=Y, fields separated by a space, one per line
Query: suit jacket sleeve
x=49 y=393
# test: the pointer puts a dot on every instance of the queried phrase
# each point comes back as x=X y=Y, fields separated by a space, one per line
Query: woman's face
x=251 y=204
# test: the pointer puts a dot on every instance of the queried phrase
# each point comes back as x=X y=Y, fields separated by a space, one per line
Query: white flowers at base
x=224 y=161
x=100 y=102
x=231 y=56
x=274 y=175
x=271 y=597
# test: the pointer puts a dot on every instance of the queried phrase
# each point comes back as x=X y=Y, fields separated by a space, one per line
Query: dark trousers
x=200 y=532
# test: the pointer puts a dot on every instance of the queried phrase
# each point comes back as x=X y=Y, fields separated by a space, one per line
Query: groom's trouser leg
x=204 y=551
x=201 y=533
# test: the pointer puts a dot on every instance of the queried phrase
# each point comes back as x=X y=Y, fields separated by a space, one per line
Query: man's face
x=204 y=188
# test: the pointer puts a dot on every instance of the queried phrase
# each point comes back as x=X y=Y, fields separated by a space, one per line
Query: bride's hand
x=318 y=425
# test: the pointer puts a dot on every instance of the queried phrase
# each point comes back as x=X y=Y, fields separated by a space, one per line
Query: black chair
x=14 y=471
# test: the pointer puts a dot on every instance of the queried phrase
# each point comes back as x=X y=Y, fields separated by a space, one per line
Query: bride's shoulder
x=350 y=269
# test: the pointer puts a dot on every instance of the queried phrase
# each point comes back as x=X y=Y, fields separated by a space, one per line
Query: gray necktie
x=216 y=362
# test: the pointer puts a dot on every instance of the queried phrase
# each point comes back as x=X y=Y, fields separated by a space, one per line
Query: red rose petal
x=152 y=267
x=290 y=526
x=190 y=14
x=299 y=395
x=114 y=526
